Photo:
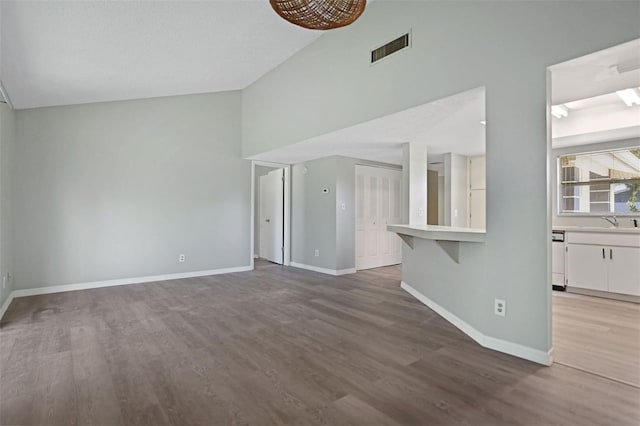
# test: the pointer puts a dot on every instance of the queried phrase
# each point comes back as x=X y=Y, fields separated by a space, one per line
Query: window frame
x=560 y=187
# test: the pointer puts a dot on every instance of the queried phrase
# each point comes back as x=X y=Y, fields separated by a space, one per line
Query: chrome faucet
x=612 y=220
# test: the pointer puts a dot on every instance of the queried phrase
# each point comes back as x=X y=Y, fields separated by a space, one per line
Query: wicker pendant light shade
x=319 y=14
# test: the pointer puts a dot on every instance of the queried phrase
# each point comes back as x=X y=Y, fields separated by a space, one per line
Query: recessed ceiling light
x=629 y=96
x=484 y=123
x=559 y=111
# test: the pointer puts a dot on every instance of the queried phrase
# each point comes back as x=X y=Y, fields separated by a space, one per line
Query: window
x=600 y=183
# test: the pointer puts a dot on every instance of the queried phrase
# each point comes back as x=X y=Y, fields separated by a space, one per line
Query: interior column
x=414 y=183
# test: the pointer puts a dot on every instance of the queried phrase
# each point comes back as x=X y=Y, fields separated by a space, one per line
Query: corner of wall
x=8 y=136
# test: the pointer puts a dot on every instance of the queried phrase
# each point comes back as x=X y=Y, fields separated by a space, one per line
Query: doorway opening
x=271 y=197
x=593 y=191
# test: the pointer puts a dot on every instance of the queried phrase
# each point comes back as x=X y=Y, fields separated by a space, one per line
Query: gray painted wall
x=318 y=220
x=583 y=220
x=120 y=189
x=313 y=214
x=505 y=47
x=7 y=150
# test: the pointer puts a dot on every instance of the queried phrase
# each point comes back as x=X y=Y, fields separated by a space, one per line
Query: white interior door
x=378 y=203
x=272 y=216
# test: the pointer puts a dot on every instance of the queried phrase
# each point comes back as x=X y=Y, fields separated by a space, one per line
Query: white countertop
x=440 y=233
x=608 y=230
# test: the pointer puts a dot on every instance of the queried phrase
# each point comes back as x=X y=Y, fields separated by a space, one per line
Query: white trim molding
x=505 y=346
x=333 y=272
x=6 y=304
x=287 y=209
x=126 y=281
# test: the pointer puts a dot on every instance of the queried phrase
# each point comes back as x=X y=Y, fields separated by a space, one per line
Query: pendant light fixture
x=319 y=14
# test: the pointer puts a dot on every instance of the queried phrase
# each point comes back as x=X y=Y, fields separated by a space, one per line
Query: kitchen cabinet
x=587 y=267
x=604 y=262
x=624 y=270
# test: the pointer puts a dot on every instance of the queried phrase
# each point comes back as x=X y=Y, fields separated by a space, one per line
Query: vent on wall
x=393 y=46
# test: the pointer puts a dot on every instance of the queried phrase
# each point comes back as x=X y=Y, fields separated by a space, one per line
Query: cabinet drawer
x=625 y=240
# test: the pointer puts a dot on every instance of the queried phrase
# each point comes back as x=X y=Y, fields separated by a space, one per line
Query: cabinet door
x=587 y=267
x=624 y=270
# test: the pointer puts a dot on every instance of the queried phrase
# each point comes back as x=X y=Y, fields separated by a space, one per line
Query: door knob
x=267 y=220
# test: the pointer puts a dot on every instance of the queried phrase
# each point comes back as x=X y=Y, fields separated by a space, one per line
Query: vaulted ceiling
x=70 y=52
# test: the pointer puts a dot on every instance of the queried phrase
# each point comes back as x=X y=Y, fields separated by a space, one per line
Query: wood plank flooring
x=275 y=346
x=598 y=335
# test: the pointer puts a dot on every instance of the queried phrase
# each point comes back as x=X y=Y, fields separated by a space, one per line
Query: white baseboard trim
x=6 y=304
x=333 y=272
x=126 y=281
x=511 y=348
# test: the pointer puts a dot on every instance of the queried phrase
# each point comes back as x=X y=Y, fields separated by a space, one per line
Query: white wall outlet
x=420 y=212
x=4 y=281
x=317 y=253
x=500 y=307
x=343 y=206
x=182 y=258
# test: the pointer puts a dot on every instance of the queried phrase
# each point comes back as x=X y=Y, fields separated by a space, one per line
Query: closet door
x=378 y=203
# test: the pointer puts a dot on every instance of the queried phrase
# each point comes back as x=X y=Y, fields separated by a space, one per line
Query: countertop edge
x=587 y=229
x=454 y=234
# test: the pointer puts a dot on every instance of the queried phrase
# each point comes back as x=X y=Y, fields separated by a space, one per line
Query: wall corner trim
x=6 y=304
x=333 y=272
x=505 y=346
x=125 y=281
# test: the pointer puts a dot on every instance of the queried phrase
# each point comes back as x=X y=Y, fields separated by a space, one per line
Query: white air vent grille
x=393 y=46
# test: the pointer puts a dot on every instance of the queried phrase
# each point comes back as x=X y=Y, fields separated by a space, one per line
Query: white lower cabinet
x=603 y=267
x=624 y=270
x=587 y=267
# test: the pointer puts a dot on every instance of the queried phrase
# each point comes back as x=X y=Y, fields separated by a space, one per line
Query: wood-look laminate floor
x=598 y=335
x=275 y=346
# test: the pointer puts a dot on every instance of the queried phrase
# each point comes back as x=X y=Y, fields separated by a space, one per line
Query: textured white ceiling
x=70 y=52
x=451 y=124
x=587 y=86
x=597 y=74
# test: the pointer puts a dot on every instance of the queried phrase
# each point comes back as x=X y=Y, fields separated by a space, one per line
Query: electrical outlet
x=4 y=282
x=500 y=307
x=343 y=206
x=317 y=252
x=182 y=258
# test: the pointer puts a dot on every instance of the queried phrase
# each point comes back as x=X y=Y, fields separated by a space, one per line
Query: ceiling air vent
x=394 y=46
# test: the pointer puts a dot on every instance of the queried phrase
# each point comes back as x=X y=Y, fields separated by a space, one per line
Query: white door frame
x=286 y=258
